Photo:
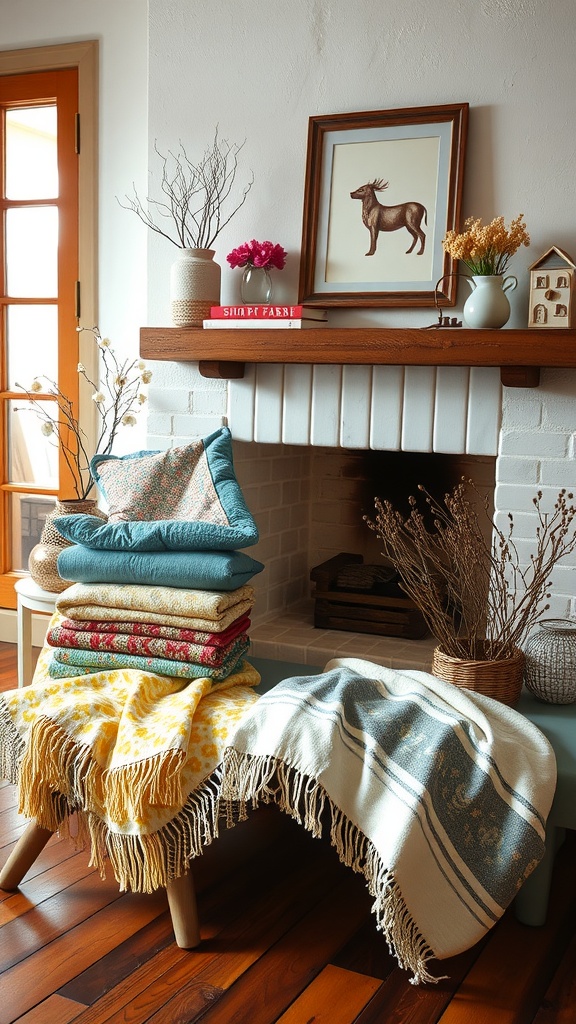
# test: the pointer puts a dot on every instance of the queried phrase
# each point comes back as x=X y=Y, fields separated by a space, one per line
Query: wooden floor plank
x=335 y=996
x=509 y=979
x=56 y=916
x=241 y=939
x=50 y=883
x=219 y=904
x=277 y=978
x=47 y=970
x=399 y=1002
x=559 y=1006
x=54 y=1010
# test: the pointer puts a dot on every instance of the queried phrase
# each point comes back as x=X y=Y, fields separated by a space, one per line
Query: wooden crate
x=379 y=606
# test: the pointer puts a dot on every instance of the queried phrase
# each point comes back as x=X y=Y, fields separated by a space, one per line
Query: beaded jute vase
x=500 y=679
x=43 y=559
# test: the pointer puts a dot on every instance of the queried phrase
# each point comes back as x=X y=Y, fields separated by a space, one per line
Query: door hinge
x=77 y=133
x=77 y=300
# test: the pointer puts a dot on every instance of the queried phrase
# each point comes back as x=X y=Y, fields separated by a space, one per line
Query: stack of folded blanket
x=162 y=585
x=188 y=634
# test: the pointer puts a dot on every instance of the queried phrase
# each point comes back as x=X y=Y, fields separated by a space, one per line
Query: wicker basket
x=500 y=679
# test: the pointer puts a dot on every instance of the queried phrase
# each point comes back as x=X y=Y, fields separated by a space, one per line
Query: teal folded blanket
x=67 y=662
x=189 y=570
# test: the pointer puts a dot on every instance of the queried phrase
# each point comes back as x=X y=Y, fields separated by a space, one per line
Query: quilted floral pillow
x=182 y=498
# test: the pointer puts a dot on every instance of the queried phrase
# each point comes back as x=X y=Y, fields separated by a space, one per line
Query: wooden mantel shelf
x=518 y=352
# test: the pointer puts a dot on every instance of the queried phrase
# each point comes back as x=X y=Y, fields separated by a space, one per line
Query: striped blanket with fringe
x=438 y=796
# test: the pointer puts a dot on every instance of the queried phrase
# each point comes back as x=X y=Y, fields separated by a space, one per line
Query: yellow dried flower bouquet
x=487 y=249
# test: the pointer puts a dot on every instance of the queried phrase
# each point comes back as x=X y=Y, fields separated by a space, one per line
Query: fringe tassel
x=247 y=779
x=52 y=764
x=154 y=781
x=143 y=863
x=11 y=746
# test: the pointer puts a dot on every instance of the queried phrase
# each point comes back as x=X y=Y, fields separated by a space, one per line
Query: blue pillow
x=203 y=570
x=182 y=499
x=160 y=535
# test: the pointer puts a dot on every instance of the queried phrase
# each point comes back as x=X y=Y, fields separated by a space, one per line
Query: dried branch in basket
x=478 y=599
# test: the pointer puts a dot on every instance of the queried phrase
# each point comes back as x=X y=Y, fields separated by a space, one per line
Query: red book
x=271 y=312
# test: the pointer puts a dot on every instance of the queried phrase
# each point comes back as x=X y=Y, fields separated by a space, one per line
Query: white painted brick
x=158 y=443
x=298 y=515
x=288 y=542
x=209 y=403
x=544 y=444
x=279 y=519
x=559 y=473
x=159 y=423
x=521 y=409
x=518 y=471
x=169 y=400
x=519 y=501
x=178 y=375
x=195 y=426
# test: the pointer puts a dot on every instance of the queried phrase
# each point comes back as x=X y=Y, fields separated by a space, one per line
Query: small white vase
x=488 y=304
x=194 y=286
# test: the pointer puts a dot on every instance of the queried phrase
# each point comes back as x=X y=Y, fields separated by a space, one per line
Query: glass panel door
x=39 y=268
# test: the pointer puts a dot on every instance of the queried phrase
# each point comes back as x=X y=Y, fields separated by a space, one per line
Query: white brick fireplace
x=308 y=439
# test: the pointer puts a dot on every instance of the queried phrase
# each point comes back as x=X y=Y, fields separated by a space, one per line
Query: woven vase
x=194 y=287
x=500 y=679
x=43 y=558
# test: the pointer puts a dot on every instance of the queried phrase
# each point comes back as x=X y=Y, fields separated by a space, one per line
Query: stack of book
x=253 y=317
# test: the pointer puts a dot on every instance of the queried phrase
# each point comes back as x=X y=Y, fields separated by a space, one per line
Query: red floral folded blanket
x=149 y=647
x=153 y=629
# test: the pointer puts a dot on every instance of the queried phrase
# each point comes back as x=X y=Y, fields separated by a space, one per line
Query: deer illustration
x=377 y=217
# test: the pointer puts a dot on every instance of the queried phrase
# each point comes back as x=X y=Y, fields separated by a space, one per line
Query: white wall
x=260 y=68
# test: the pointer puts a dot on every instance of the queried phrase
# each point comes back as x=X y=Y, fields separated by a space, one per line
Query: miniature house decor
x=552 y=290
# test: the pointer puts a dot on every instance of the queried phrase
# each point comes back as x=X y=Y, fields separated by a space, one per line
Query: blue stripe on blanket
x=432 y=753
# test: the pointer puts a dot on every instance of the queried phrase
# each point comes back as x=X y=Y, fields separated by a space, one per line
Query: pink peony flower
x=257 y=254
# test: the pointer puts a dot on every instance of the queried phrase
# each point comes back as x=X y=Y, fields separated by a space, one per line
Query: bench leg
x=27 y=849
x=183 y=911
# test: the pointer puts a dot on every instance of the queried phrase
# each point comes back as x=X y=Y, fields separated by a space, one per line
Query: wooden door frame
x=84 y=56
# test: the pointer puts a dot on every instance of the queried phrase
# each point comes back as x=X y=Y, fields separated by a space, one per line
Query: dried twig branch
x=197 y=195
x=477 y=598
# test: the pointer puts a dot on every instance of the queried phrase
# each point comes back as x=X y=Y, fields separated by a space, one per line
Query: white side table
x=31 y=598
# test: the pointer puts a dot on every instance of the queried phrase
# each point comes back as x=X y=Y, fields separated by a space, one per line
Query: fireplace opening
x=310 y=504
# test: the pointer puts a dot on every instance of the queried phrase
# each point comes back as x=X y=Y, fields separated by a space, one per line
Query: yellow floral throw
x=122 y=760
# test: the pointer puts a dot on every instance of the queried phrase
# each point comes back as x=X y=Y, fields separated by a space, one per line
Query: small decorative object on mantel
x=118 y=399
x=551 y=662
x=552 y=284
x=196 y=196
x=477 y=598
x=257 y=259
x=487 y=250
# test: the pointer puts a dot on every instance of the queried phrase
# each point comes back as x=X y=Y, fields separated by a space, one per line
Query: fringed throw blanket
x=438 y=796
x=133 y=753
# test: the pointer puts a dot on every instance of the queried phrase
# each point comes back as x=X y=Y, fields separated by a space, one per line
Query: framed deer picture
x=382 y=188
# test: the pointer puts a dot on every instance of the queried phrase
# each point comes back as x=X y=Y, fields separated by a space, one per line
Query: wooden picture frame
x=354 y=255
